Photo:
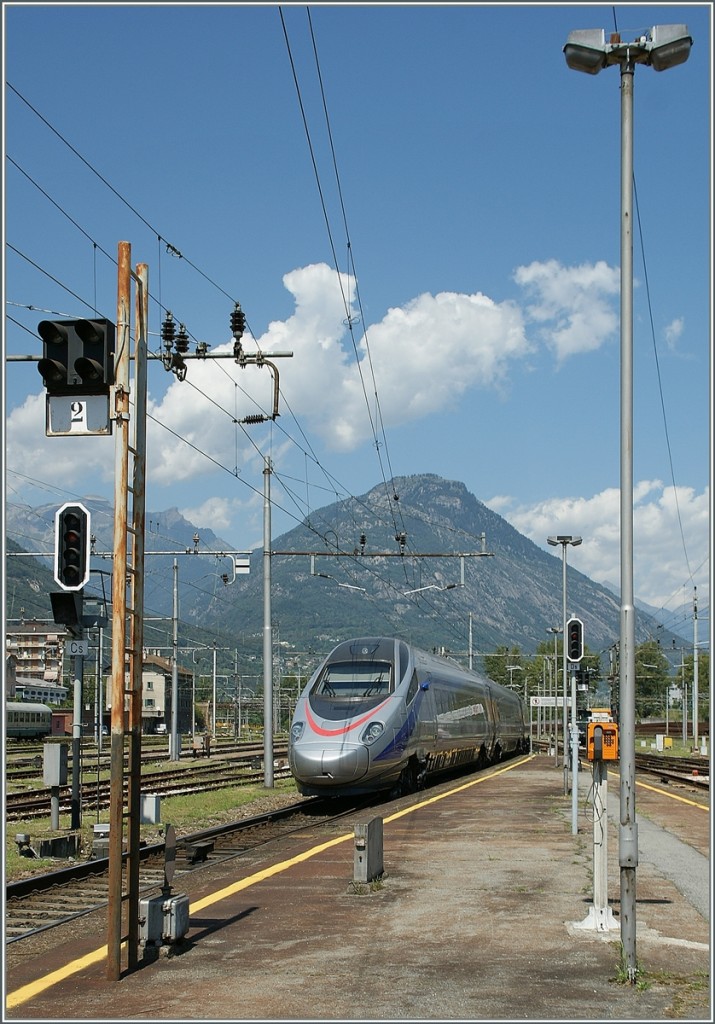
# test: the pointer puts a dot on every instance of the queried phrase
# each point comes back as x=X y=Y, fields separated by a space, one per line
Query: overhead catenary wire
x=660 y=381
x=348 y=318
x=657 y=362
x=174 y=251
x=169 y=247
x=234 y=417
x=353 y=272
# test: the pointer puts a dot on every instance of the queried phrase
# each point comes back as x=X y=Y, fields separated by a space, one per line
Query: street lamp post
x=564 y=540
x=663 y=47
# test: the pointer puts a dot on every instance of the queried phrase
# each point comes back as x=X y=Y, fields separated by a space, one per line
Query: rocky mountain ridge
x=426 y=560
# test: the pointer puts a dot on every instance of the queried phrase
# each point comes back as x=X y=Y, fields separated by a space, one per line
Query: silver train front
x=381 y=714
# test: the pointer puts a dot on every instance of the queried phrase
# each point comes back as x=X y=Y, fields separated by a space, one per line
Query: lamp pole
x=564 y=540
x=663 y=47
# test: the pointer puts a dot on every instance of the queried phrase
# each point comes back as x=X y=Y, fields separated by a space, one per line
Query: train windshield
x=349 y=679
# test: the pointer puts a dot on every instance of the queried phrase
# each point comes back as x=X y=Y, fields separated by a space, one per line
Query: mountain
x=28 y=583
x=513 y=591
x=348 y=570
x=30 y=539
x=658 y=614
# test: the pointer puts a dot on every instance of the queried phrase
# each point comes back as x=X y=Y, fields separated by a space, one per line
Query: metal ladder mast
x=127 y=619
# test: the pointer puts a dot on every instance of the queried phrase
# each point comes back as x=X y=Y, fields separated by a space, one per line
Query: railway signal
x=77 y=356
x=574 y=639
x=72 y=545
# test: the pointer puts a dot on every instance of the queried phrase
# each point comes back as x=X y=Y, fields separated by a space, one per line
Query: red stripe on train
x=343 y=729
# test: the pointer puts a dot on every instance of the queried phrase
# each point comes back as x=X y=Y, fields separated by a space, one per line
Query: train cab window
x=353 y=679
x=403 y=660
x=412 y=688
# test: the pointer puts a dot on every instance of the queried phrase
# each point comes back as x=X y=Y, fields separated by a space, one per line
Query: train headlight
x=296 y=731
x=373 y=732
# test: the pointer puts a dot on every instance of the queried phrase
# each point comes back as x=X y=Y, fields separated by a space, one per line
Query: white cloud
x=424 y=356
x=501 y=504
x=61 y=460
x=430 y=352
x=660 y=567
x=673 y=332
x=214 y=513
x=575 y=304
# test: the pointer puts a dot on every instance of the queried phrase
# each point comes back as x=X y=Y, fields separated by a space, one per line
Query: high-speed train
x=380 y=714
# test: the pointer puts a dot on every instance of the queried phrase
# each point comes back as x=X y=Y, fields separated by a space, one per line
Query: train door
x=494 y=726
x=420 y=704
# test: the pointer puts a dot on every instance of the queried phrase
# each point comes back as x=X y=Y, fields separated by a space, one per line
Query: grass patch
x=188 y=813
x=216 y=807
x=363 y=888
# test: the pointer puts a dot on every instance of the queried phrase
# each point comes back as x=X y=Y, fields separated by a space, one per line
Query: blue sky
x=473 y=246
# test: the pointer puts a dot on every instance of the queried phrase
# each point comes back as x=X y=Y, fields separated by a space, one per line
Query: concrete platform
x=472 y=920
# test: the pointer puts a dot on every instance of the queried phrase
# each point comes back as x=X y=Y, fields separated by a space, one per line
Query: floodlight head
x=564 y=538
x=670 y=45
x=585 y=50
x=663 y=46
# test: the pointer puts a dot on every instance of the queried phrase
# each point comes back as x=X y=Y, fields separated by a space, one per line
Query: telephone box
x=602 y=741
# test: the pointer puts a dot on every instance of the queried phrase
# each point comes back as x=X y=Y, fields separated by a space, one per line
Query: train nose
x=314 y=764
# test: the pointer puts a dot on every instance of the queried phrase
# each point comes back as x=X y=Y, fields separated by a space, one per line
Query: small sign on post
x=77 y=648
x=77 y=416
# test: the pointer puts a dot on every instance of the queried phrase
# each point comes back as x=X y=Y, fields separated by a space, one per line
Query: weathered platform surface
x=473 y=920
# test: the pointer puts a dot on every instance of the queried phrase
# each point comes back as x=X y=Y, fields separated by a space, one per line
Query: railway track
x=693 y=771
x=178 y=782
x=47 y=901
x=235 y=766
x=30 y=766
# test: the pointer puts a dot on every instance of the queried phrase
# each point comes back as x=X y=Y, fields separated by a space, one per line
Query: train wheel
x=410 y=780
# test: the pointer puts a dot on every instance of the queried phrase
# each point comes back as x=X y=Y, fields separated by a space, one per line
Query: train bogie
x=381 y=714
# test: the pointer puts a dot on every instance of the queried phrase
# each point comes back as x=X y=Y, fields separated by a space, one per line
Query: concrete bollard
x=368 y=862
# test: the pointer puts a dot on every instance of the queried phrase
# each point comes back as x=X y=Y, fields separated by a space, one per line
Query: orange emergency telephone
x=602 y=741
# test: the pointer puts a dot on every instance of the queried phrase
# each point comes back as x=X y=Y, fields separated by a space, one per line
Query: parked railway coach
x=28 y=721
x=380 y=714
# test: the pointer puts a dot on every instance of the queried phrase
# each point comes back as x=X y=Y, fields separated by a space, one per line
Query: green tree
x=688 y=673
x=652 y=680
x=542 y=668
x=495 y=665
x=703 y=671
